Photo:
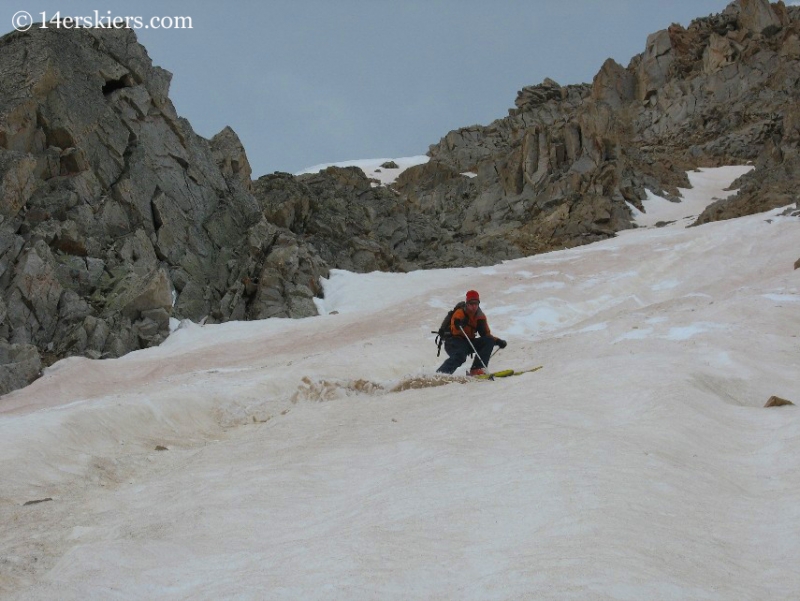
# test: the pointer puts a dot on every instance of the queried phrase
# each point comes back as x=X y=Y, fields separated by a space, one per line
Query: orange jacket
x=477 y=324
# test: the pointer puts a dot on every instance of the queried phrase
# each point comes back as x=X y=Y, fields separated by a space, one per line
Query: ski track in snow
x=323 y=458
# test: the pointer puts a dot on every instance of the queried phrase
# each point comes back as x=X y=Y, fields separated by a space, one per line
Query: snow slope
x=323 y=459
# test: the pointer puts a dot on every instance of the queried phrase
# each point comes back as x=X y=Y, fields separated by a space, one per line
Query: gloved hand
x=460 y=323
x=501 y=343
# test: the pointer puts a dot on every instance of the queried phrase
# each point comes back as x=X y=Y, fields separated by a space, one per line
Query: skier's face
x=472 y=306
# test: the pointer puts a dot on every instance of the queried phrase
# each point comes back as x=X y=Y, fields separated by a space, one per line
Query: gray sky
x=312 y=81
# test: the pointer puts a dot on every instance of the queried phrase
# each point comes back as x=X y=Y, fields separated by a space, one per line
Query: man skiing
x=471 y=321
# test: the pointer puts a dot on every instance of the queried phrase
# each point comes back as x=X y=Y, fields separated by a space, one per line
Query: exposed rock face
x=360 y=227
x=559 y=170
x=19 y=365
x=115 y=215
x=552 y=174
x=731 y=98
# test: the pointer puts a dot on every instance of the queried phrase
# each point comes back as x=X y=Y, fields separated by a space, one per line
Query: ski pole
x=473 y=349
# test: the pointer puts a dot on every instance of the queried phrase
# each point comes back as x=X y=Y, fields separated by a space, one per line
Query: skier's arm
x=458 y=321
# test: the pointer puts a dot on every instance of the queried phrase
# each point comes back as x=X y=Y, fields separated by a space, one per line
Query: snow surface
x=322 y=459
x=705 y=186
x=372 y=167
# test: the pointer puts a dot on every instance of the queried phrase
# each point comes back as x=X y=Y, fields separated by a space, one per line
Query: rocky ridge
x=562 y=167
x=115 y=216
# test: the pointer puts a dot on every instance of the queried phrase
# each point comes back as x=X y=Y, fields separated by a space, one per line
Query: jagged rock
x=776 y=401
x=231 y=157
x=33 y=296
x=613 y=85
x=797 y=264
x=554 y=152
x=654 y=65
x=349 y=221
x=757 y=15
x=20 y=364
x=531 y=97
x=390 y=165
x=153 y=327
x=284 y=200
x=137 y=293
x=288 y=281
x=711 y=94
x=114 y=214
x=17 y=182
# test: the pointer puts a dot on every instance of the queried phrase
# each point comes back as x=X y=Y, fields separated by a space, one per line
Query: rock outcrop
x=116 y=216
x=563 y=167
x=568 y=162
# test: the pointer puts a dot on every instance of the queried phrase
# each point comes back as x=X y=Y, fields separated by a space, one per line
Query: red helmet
x=473 y=295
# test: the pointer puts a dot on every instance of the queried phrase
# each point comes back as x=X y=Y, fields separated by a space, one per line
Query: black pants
x=457 y=350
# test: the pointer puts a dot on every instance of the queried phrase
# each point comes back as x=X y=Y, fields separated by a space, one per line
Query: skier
x=471 y=321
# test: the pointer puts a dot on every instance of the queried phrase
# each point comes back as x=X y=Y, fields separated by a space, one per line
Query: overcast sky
x=312 y=81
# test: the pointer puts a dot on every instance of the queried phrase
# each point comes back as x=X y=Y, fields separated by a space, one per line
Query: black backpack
x=444 y=329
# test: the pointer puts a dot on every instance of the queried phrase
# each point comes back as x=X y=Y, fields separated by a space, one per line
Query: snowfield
x=323 y=459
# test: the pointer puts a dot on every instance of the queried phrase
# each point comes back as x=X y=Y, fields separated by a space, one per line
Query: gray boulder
x=19 y=365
